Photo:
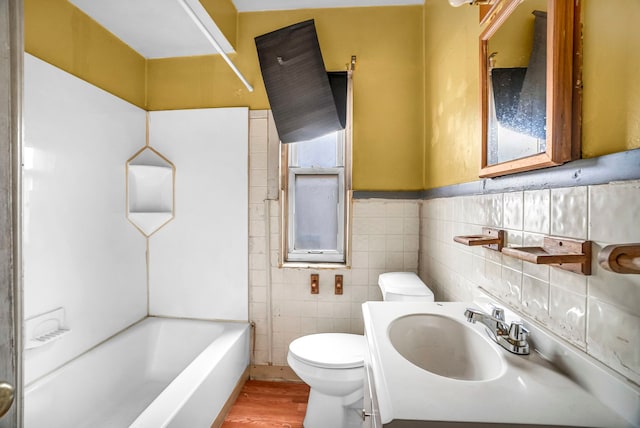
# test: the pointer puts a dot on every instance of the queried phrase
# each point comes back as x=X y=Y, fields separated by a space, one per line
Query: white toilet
x=332 y=364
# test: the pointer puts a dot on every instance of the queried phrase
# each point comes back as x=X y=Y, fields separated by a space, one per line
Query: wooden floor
x=267 y=404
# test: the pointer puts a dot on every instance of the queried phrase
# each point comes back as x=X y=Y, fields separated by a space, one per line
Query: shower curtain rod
x=213 y=41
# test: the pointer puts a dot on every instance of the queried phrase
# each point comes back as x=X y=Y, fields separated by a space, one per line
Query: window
x=315 y=217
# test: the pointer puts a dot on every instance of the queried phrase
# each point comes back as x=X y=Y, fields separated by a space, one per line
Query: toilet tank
x=403 y=287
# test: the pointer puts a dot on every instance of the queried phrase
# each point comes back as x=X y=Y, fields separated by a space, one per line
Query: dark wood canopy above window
x=307 y=102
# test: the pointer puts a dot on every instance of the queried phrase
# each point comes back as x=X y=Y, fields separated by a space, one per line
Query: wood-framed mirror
x=530 y=105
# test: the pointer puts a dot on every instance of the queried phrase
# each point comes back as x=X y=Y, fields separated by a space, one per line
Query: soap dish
x=45 y=328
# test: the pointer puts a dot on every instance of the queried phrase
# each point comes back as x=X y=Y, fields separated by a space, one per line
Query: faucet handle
x=517 y=332
x=497 y=313
x=470 y=313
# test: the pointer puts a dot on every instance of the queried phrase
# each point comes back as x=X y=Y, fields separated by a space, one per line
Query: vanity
x=428 y=366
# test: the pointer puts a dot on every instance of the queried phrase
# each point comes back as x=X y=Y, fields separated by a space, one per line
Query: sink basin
x=427 y=366
x=446 y=347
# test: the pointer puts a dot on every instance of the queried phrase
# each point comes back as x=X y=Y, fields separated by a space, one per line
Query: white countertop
x=528 y=391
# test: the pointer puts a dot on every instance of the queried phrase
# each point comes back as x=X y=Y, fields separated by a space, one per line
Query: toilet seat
x=330 y=350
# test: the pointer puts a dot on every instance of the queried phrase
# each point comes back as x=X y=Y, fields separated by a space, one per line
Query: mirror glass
x=516 y=83
x=526 y=55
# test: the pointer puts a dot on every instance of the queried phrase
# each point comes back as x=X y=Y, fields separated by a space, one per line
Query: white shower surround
x=81 y=253
x=198 y=263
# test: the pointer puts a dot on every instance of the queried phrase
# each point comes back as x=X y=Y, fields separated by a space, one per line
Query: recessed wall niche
x=150 y=190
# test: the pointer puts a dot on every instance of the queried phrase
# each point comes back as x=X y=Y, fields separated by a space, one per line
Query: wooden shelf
x=568 y=254
x=621 y=258
x=490 y=238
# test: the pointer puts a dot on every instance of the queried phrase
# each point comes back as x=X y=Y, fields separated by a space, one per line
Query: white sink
x=446 y=347
x=426 y=365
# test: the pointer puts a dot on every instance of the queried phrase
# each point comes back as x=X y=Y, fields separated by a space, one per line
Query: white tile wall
x=537 y=205
x=385 y=237
x=569 y=212
x=599 y=314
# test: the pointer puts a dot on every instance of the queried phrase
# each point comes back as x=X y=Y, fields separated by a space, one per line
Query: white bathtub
x=160 y=372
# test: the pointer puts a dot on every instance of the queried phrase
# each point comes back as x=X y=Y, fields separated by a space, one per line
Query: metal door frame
x=11 y=78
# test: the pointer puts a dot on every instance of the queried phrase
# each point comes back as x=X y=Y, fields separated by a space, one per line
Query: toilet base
x=325 y=411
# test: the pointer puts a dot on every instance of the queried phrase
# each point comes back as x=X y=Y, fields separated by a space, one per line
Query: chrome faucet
x=511 y=337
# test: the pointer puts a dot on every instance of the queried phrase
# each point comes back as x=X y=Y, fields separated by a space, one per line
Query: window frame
x=344 y=153
x=326 y=255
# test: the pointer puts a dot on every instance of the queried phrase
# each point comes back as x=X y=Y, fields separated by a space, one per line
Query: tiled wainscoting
x=599 y=314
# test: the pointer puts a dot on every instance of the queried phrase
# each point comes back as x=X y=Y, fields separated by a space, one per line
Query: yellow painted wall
x=389 y=101
x=514 y=40
x=452 y=121
x=225 y=15
x=416 y=121
x=611 y=109
x=388 y=83
x=611 y=99
x=59 y=33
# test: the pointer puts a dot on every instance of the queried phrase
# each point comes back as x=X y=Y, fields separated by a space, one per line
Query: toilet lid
x=330 y=350
x=403 y=283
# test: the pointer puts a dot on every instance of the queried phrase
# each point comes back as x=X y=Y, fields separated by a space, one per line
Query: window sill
x=312 y=265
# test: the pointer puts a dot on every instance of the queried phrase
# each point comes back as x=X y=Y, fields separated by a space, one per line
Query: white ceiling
x=162 y=28
x=156 y=28
x=263 y=5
